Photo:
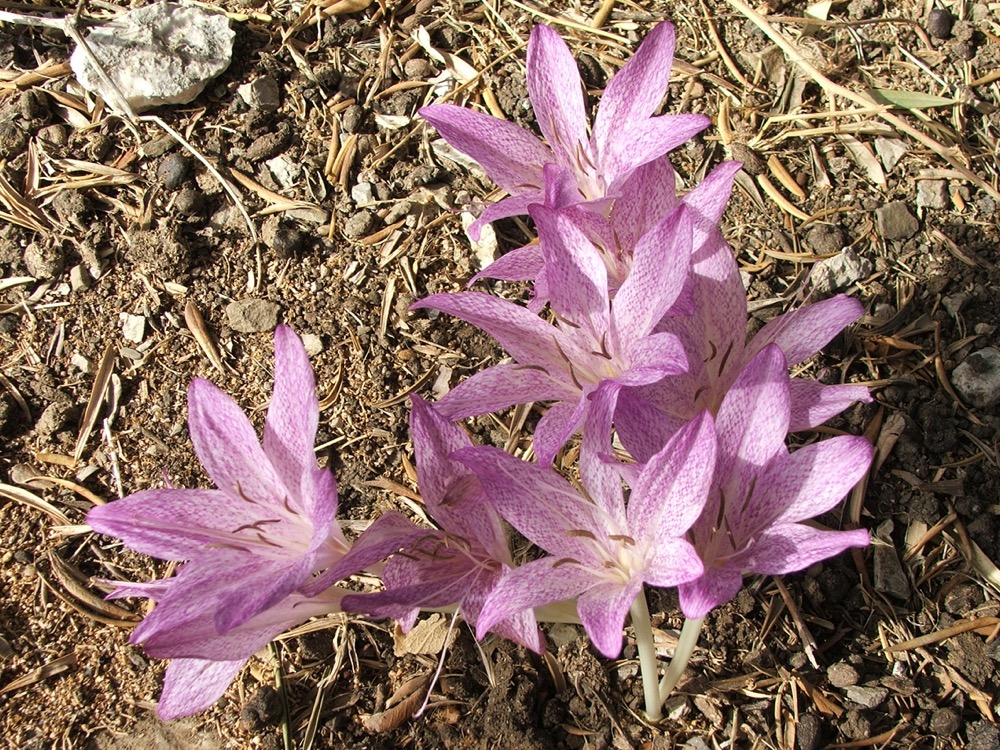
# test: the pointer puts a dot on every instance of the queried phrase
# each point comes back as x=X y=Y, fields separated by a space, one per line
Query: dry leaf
x=426 y=637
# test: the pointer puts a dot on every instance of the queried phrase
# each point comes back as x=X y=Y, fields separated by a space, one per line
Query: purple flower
x=717 y=349
x=600 y=551
x=761 y=493
x=459 y=563
x=594 y=342
x=248 y=545
x=624 y=136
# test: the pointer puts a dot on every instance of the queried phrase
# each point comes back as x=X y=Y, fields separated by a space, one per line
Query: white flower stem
x=682 y=655
x=647 y=657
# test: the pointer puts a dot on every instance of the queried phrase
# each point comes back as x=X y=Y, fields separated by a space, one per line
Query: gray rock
x=945 y=722
x=825 y=239
x=809 y=732
x=164 y=53
x=890 y=151
x=954 y=303
x=261 y=93
x=43 y=260
x=80 y=278
x=890 y=578
x=867 y=697
x=977 y=379
x=939 y=23
x=932 y=194
x=133 y=327
x=983 y=736
x=252 y=315
x=359 y=225
x=895 y=222
x=172 y=170
x=839 y=272
x=842 y=675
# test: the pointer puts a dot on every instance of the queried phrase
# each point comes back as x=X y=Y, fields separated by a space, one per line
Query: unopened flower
x=624 y=136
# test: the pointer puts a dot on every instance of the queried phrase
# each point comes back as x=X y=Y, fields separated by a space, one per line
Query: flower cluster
x=634 y=339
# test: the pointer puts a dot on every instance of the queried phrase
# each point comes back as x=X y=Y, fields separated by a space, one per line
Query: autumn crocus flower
x=624 y=136
x=458 y=563
x=248 y=545
x=601 y=552
x=594 y=343
x=761 y=494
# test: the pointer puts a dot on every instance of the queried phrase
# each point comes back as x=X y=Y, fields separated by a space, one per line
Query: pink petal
x=511 y=156
x=292 y=417
x=709 y=197
x=531 y=585
x=752 y=422
x=514 y=205
x=602 y=609
x=813 y=479
x=599 y=476
x=635 y=92
x=647 y=197
x=661 y=266
x=672 y=562
x=814 y=403
x=576 y=274
x=192 y=685
x=527 y=338
x=644 y=141
x=804 y=331
x=556 y=93
x=653 y=358
x=788 y=548
x=522 y=264
x=560 y=423
x=642 y=428
x=716 y=587
x=674 y=484
x=172 y=524
x=498 y=387
x=227 y=446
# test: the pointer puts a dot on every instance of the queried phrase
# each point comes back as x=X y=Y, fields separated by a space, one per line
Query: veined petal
x=636 y=90
x=556 y=93
x=435 y=438
x=513 y=205
x=602 y=609
x=752 y=422
x=814 y=403
x=804 y=331
x=192 y=685
x=538 y=502
x=813 y=479
x=532 y=585
x=672 y=562
x=709 y=197
x=598 y=475
x=717 y=586
x=522 y=264
x=228 y=448
x=791 y=547
x=576 y=274
x=560 y=423
x=521 y=628
x=674 y=484
x=527 y=338
x=642 y=428
x=647 y=197
x=643 y=142
x=653 y=358
x=292 y=417
x=661 y=266
x=172 y=524
x=498 y=387
x=510 y=155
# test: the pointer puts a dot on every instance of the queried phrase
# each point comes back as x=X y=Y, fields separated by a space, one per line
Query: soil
x=112 y=235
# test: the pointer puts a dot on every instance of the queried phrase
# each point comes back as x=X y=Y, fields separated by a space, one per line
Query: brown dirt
x=346 y=274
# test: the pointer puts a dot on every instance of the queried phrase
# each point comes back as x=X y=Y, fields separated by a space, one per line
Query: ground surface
x=108 y=256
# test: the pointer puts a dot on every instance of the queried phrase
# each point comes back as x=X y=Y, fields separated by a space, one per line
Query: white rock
x=164 y=53
x=839 y=272
x=977 y=379
x=284 y=170
x=133 y=327
x=261 y=93
x=312 y=343
x=362 y=194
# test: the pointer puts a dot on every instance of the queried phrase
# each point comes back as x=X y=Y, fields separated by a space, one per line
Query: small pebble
x=945 y=722
x=939 y=22
x=252 y=315
x=932 y=194
x=359 y=225
x=842 y=675
x=895 y=222
x=867 y=697
x=172 y=170
x=977 y=379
